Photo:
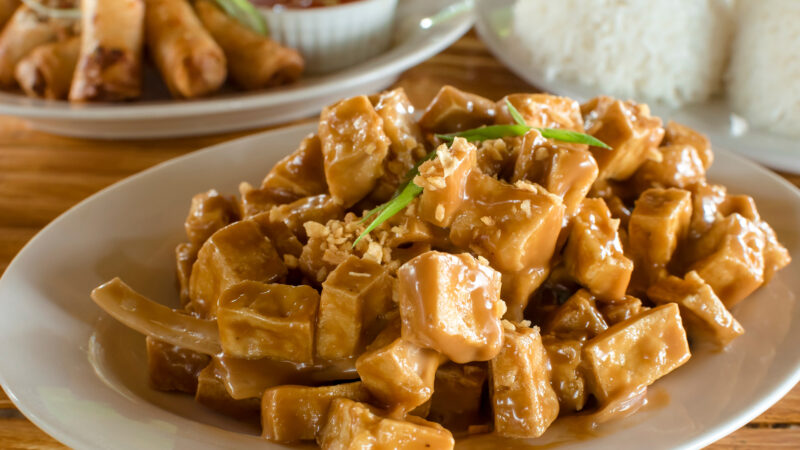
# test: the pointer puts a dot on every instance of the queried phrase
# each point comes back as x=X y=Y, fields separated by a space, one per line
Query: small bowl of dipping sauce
x=331 y=34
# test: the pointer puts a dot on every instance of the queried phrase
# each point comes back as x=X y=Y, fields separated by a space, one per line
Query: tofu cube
x=457 y=393
x=735 y=266
x=523 y=401
x=518 y=287
x=566 y=374
x=593 y=255
x=185 y=256
x=703 y=313
x=635 y=352
x=566 y=170
x=451 y=304
x=680 y=167
x=353 y=148
x=297 y=413
x=236 y=253
x=258 y=320
x=209 y=212
x=354 y=425
x=279 y=234
x=255 y=201
x=513 y=226
x=301 y=174
x=444 y=180
x=677 y=134
x=628 y=128
x=578 y=317
x=542 y=111
x=211 y=392
x=319 y=208
x=617 y=311
x=398 y=373
x=454 y=110
x=171 y=368
x=660 y=220
x=353 y=296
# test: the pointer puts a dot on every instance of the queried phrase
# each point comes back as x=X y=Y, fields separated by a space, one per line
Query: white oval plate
x=230 y=111
x=81 y=377
x=713 y=118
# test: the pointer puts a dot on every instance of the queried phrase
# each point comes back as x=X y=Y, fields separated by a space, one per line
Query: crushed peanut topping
x=290 y=261
x=439 y=212
x=488 y=221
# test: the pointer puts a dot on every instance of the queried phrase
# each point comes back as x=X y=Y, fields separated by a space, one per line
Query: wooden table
x=41 y=176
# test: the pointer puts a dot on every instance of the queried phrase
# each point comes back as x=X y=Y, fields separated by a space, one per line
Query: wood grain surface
x=42 y=175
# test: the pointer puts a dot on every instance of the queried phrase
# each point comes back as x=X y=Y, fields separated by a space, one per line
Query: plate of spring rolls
x=137 y=69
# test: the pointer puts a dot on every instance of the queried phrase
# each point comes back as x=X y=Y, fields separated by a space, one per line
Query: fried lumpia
x=7 y=8
x=25 y=31
x=190 y=62
x=47 y=70
x=254 y=61
x=110 y=63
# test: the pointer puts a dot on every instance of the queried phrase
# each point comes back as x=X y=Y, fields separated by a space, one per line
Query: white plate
x=244 y=110
x=81 y=377
x=713 y=118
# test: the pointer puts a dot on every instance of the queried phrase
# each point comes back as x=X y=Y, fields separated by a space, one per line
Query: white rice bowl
x=669 y=51
x=764 y=74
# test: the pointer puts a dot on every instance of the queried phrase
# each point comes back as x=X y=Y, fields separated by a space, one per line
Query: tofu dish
x=485 y=267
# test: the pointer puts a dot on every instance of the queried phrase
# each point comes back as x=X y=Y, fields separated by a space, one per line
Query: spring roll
x=254 y=61
x=190 y=62
x=7 y=8
x=25 y=31
x=110 y=62
x=47 y=71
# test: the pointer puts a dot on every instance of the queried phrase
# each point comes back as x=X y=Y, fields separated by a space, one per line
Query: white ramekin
x=334 y=37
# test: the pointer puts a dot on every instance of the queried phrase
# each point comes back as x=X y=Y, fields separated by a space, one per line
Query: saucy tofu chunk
x=353 y=148
x=542 y=111
x=212 y=393
x=636 y=352
x=454 y=110
x=578 y=317
x=353 y=297
x=210 y=211
x=523 y=401
x=258 y=320
x=444 y=180
x=185 y=256
x=451 y=304
x=680 y=167
x=236 y=253
x=617 y=311
x=457 y=393
x=593 y=255
x=628 y=128
x=172 y=368
x=297 y=413
x=702 y=311
x=319 y=208
x=354 y=425
x=677 y=134
x=398 y=373
x=301 y=174
x=566 y=374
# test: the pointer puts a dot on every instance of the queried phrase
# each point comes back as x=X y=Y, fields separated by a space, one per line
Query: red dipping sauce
x=300 y=4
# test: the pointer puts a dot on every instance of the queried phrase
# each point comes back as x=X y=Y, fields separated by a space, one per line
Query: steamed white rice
x=670 y=51
x=764 y=74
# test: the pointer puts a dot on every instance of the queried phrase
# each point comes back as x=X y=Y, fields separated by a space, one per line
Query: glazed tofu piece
x=635 y=352
x=677 y=134
x=172 y=368
x=578 y=318
x=258 y=320
x=354 y=425
x=451 y=304
x=523 y=401
x=211 y=392
x=236 y=253
x=457 y=392
x=298 y=175
x=513 y=226
x=542 y=111
x=566 y=375
x=628 y=128
x=703 y=313
x=255 y=201
x=706 y=201
x=278 y=232
x=209 y=212
x=734 y=265
x=319 y=208
x=454 y=110
x=297 y=413
x=620 y=310
x=185 y=256
x=680 y=167
x=562 y=169
x=660 y=220
x=593 y=255
x=518 y=287
x=444 y=180
x=398 y=373
x=353 y=148
x=354 y=295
